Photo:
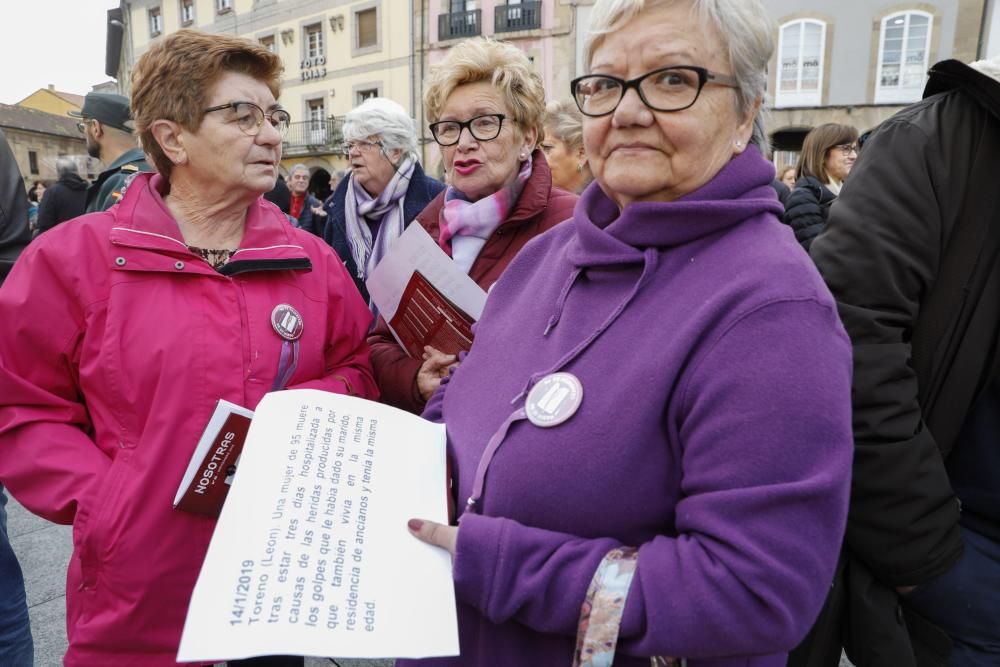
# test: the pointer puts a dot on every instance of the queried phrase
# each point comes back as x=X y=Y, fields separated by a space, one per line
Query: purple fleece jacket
x=714 y=433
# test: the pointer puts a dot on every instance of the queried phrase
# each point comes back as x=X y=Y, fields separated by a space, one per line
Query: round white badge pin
x=554 y=399
x=286 y=321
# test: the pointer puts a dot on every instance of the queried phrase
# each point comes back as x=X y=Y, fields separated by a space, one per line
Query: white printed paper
x=311 y=554
x=415 y=250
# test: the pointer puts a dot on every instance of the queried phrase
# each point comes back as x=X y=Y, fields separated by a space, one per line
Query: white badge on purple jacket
x=554 y=399
x=288 y=324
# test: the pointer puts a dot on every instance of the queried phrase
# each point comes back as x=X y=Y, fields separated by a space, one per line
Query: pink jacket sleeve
x=348 y=363
x=48 y=460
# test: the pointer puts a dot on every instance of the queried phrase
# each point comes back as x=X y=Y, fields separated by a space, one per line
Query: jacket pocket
x=93 y=545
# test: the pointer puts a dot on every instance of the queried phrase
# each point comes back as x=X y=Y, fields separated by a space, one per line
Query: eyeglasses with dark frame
x=665 y=89
x=847 y=149
x=482 y=128
x=250 y=117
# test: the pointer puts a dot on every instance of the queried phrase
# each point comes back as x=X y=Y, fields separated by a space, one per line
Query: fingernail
x=415 y=525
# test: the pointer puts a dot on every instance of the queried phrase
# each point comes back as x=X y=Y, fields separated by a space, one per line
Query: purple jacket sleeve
x=755 y=545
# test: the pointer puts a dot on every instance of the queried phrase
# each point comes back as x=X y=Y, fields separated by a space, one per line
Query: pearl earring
x=739 y=144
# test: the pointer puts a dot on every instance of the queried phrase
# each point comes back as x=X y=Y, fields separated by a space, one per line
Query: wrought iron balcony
x=460 y=24
x=521 y=16
x=314 y=136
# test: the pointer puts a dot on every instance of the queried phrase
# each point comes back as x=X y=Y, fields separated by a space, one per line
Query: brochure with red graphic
x=426 y=317
x=210 y=473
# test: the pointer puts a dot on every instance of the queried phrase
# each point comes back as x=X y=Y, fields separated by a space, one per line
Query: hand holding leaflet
x=311 y=554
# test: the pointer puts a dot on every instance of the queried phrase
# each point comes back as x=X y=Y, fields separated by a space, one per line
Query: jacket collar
x=606 y=235
x=952 y=74
x=131 y=155
x=143 y=222
x=532 y=202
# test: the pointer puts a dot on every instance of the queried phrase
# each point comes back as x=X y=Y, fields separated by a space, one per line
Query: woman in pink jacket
x=122 y=329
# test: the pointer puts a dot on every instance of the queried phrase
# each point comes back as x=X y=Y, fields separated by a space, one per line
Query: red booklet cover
x=208 y=476
x=426 y=317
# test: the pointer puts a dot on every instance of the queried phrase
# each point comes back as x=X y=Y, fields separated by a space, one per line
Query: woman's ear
x=744 y=131
x=529 y=140
x=169 y=136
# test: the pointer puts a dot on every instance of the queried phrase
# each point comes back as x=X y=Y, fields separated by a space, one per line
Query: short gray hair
x=565 y=121
x=66 y=165
x=299 y=167
x=383 y=118
x=743 y=25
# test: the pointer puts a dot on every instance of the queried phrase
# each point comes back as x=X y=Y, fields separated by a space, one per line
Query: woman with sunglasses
x=828 y=153
x=124 y=329
x=651 y=436
x=384 y=192
x=486 y=106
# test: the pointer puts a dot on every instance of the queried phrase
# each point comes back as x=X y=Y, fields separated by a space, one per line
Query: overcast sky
x=51 y=41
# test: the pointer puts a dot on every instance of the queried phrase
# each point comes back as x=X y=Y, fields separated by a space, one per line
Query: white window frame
x=223 y=6
x=155 y=21
x=187 y=20
x=307 y=45
x=317 y=122
x=898 y=94
x=799 y=97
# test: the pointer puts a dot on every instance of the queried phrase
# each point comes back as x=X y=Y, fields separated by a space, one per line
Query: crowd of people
x=770 y=395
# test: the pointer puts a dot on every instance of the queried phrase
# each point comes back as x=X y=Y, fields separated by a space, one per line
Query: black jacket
x=421 y=190
x=910 y=255
x=14 y=232
x=807 y=208
x=64 y=200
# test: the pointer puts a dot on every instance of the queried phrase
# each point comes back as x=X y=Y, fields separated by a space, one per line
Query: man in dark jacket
x=910 y=253
x=16 y=647
x=65 y=199
x=107 y=123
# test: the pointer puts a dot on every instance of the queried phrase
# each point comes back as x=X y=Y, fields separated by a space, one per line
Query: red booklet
x=206 y=481
x=426 y=317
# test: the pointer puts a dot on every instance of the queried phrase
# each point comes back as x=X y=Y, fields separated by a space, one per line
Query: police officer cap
x=108 y=109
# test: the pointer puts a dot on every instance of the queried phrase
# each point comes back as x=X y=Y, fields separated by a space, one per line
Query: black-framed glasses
x=482 y=128
x=847 y=149
x=250 y=117
x=361 y=146
x=665 y=89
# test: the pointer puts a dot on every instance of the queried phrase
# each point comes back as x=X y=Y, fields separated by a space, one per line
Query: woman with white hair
x=563 y=146
x=651 y=436
x=385 y=191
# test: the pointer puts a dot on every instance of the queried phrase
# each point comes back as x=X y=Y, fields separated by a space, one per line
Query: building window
x=314 y=40
x=187 y=12
x=902 y=58
x=367 y=29
x=801 y=45
x=155 y=22
x=223 y=6
x=269 y=43
x=316 y=112
x=365 y=94
x=33 y=162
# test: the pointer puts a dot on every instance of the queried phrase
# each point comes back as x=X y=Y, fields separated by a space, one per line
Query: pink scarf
x=461 y=217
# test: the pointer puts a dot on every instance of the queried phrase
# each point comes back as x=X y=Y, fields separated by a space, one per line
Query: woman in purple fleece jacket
x=658 y=398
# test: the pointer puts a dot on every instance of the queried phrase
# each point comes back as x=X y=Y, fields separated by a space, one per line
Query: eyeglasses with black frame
x=847 y=149
x=482 y=128
x=250 y=117
x=665 y=89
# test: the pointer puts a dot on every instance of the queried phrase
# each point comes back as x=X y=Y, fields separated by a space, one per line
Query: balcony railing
x=521 y=16
x=460 y=24
x=314 y=136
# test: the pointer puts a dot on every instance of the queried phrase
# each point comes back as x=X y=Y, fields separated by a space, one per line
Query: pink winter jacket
x=115 y=344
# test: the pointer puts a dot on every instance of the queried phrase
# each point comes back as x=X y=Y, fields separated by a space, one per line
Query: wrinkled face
x=372 y=165
x=298 y=182
x=223 y=157
x=637 y=154
x=481 y=168
x=838 y=162
x=563 y=162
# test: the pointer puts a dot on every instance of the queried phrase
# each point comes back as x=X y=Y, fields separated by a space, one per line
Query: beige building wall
x=338 y=78
x=46 y=148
